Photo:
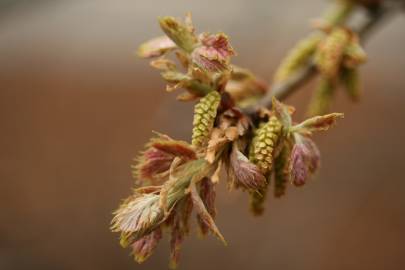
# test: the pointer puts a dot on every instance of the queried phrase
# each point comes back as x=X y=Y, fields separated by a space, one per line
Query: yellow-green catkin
x=354 y=53
x=281 y=171
x=257 y=199
x=330 y=52
x=339 y=12
x=297 y=57
x=205 y=112
x=322 y=97
x=264 y=143
x=351 y=81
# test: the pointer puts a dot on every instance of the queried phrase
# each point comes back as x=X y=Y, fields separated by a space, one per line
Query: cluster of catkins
x=335 y=52
x=175 y=178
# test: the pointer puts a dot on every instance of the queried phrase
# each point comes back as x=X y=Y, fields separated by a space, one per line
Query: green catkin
x=354 y=53
x=281 y=171
x=257 y=199
x=264 y=143
x=339 y=12
x=297 y=57
x=330 y=52
x=322 y=97
x=261 y=153
x=351 y=81
x=205 y=112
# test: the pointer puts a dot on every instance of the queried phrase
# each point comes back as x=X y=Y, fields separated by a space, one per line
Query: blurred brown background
x=76 y=105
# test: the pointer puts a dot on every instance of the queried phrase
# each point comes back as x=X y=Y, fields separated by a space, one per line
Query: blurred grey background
x=76 y=106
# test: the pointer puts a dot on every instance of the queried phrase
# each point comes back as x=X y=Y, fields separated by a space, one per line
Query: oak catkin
x=330 y=52
x=205 y=112
x=264 y=143
x=322 y=97
x=351 y=81
x=297 y=57
x=281 y=171
x=256 y=203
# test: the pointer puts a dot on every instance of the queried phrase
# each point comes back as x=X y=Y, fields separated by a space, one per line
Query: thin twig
x=283 y=90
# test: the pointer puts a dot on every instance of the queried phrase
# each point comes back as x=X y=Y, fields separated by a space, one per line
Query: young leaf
x=137 y=216
x=244 y=173
x=156 y=47
x=143 y=248
x=179 y=33
x=203 y=213
x=318 y=123
x=214 y=53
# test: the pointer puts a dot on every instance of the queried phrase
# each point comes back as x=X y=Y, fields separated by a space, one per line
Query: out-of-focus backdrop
x=76 y=105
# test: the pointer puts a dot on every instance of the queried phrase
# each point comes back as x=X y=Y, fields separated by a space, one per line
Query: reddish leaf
x=156 y=47
x=144 y=247
x=245 y=173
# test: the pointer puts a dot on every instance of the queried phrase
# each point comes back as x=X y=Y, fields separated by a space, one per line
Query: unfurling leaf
x=282 y=113
x=318 y=123
x=215 y=144
x=203 y=214
x=179 y=32
x=143 y=248
x=314 y=156
x=207 y=194
x=150 y=165
x=157 y=158
x=179 y=224
x=305 y=160
x=243 y=173
x=136 y=217
x=176 y=148
x=214 y=52
x=163 y=64
x=298 y=168
x=156 y=47
x=205 y=112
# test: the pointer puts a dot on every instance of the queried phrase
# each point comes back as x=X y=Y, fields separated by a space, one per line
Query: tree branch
x=282 y=90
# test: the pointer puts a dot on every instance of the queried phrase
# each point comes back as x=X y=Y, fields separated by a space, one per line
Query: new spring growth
x=335 y=52
x=337 y=59
x=175 y=178
x=204 y=116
